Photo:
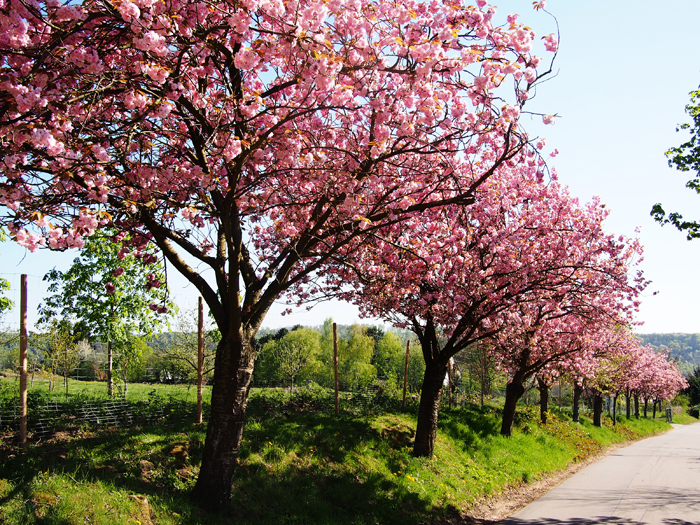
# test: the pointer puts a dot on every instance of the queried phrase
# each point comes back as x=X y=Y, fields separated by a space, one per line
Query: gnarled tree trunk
x=543 y=387
x=428 y=409
x=514 y=391
x=232 y=377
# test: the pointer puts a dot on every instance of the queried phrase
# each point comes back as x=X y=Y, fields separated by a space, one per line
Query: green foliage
x=309 y=355
x=390 y=357
x=684 y=347
x=685 y=157
x=5 y=303
x=355 y=359
x=295 y=354
x=80 y=295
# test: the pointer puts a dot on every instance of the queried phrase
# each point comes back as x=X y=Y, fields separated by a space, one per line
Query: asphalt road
x=654 y=481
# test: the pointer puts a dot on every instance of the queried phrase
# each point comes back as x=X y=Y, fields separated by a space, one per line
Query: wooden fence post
x=23 y=363
x=405 y=374
x=335 y=367
x=200 y=359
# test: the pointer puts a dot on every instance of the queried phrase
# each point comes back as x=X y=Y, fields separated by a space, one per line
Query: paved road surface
x=655 y=481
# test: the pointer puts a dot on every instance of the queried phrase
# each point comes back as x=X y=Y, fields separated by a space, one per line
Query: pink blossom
x=246 y=59
x=109 y=288
x=135 y=100
x=232 y=149
x=100 y=153
x=530 y=74
x=548 y=119
x=152 y=41
x=481 y=82
x=128 y=10
x=119 y=271
x=550 y=42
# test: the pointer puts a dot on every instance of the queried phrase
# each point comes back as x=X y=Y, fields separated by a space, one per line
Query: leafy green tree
x=5 y=303
x=295 y=354
x=693 y=389
x=108 y=295
x=60 y=352
x=390 y=356
x=355 y=359
x=685 y=157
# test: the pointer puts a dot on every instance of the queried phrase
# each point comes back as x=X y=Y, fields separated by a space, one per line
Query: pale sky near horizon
x=625 y=69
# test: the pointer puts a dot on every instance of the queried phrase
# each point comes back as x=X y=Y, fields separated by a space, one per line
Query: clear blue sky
x=625 y=68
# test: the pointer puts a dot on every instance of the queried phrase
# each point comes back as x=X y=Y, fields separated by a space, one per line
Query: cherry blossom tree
x=603 y=342
x=524 y=252
x=254 y=139
x=545 y=337
x=653 y=376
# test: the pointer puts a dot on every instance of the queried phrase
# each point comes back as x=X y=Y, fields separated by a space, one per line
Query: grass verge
x=296 y=468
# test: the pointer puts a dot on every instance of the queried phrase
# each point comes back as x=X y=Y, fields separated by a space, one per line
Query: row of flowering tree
x=616 y=364
x=254 y=140
x=526 y=268
x=635 y=371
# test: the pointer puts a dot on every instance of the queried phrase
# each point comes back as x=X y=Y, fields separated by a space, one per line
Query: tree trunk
x=614 y=414
x=597 y=409
x=544 y=399
x=514 y=391
x=428 y=410
x=646 y=405
x=578 y=390
x=628 y=405
x=654 y=409
x=636 y=406
x=232 y=377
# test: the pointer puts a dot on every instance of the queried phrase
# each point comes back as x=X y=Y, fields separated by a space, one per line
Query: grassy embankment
x=296 y=468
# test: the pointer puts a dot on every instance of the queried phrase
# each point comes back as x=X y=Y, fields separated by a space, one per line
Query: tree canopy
x=685 y=157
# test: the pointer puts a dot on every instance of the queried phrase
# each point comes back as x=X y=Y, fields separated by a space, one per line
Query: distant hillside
x=684 y=347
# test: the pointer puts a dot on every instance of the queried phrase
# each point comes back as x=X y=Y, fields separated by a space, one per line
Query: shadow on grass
x=469 y=424
x=300 y=470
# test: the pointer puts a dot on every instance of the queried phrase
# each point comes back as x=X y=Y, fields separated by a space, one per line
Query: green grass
x=306 y=468
x=97 y=390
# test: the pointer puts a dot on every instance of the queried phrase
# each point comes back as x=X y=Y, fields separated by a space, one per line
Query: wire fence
x=56 y=404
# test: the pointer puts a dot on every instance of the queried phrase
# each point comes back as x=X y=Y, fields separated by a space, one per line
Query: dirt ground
x=495 y=509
